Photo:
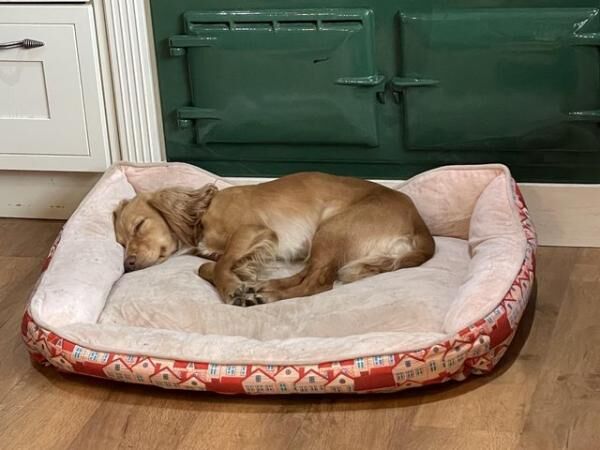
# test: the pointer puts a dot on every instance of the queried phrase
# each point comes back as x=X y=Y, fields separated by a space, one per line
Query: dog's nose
x=129 y=263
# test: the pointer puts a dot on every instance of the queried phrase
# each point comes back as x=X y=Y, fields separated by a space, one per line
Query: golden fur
x=343 y=228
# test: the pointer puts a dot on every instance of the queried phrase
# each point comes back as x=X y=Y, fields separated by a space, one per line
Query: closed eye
x=138 y=226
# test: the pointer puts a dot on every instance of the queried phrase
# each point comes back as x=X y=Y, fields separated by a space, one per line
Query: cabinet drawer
x=51 y=105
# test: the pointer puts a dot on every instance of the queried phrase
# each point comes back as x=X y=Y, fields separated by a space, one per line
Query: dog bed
x=453 y=316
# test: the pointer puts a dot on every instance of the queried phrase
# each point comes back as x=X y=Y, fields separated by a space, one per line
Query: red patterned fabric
x=473 y=350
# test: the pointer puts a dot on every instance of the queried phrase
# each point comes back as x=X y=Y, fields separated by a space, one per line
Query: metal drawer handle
x=25 y=43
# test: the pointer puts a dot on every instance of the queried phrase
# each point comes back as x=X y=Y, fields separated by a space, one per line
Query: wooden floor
x=544 y=395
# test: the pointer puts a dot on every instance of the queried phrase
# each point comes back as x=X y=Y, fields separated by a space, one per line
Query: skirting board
x=43 y=195
x=565 y=215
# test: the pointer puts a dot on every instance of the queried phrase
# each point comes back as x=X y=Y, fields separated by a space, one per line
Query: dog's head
x=153 y=226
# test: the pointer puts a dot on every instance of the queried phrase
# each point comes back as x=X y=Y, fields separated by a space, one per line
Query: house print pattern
x=474 y=350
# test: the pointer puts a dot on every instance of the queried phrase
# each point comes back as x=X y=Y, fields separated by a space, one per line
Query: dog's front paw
x=246 y=296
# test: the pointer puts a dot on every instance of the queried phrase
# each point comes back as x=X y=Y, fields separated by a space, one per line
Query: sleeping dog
x=342 y=228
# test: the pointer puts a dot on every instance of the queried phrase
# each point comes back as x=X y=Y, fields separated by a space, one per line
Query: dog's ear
x=183 y=208
x=115 y=216
x=118 y=209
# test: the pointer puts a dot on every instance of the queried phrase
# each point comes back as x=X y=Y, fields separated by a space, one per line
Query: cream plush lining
x=167 y=311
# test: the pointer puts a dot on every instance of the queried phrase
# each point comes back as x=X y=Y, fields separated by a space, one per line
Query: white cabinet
x=52 y=114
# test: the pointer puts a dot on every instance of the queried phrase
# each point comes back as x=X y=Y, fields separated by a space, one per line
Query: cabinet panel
x=51 y=108
x=23 y=90
x=46 y=102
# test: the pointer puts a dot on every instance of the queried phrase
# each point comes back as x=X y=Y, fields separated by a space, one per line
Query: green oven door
x=280 y=76
x=500 y=79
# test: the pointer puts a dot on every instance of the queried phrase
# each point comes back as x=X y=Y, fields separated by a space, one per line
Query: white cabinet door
x=51 y=106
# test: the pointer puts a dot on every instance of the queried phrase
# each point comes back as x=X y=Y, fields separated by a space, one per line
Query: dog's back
x=293 y=206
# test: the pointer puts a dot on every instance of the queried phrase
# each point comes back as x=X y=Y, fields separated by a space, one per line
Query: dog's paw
x=246 y=296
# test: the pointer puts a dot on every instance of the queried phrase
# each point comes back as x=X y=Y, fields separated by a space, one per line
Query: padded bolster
x=88 y=260
x=493 y=266
x=446 y=198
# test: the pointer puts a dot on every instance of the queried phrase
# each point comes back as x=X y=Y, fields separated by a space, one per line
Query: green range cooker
x=381 y=88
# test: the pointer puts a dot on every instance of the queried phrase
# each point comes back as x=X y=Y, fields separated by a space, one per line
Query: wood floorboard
x=545 y=394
